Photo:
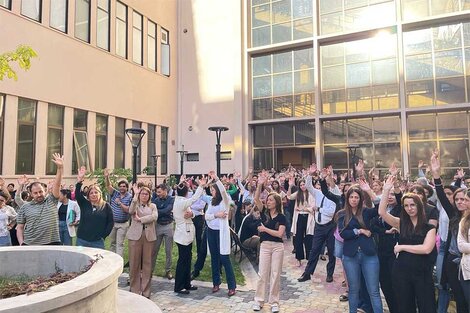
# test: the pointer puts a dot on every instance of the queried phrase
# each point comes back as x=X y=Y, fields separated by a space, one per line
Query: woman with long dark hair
x=359 y=251
x=271 y=229
x=218 y=234
x=303 y=221
x=450 y=272
x=416 y=253
x=463 y=241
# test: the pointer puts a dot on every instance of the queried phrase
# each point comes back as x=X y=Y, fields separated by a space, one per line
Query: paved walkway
x=314 y=296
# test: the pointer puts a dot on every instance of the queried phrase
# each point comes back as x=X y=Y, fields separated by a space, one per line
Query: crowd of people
x=392 y=234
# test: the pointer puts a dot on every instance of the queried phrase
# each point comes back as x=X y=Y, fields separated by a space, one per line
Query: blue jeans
x=217 y=259
x=443 y=291
x=91 y=244
x=64 y=234
x=369 y=266
x=5 y=241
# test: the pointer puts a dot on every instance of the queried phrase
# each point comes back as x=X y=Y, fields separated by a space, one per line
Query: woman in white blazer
x=69 y=217
x=184 y=233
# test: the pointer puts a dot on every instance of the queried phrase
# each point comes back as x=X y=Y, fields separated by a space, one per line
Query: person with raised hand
x=218 y=234
x=415 y=253
x=96 y=218
x=185 y=233
x=141 y=236
x=452 y=255
x=37 y=221
x=271 y=230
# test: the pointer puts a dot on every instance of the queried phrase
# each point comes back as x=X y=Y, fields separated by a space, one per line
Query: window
x=152 y=45
x=26 y=136
x=82 y=20
x=6 y=4
x=225 y=155
x=120 y=144
x=283 y=84
x=136 y=124
x=165 y=47
x=121 y=29
x=164 y=151
x=416 y=9
x=58 y=18
x=137 y=37
x=101 y=141
x=151 y=142
x=192 y=157
x=55 y=125
x=81 y=155
x=102 y=25
x=32 y=9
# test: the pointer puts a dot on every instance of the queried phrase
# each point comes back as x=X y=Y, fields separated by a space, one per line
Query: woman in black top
x=416 y=253
x=450 y=272
x=96 y=221
x=271 y=229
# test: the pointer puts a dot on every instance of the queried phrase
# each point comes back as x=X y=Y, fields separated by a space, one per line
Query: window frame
x=52 y=171
x=33 y=152
x=134 y=13
x=108 y=12
x=39 y=20
x=126 y=54
x=89 y=23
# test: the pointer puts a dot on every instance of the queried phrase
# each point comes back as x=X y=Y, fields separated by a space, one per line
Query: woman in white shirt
x=7 y=219
x=218 y=234
x=184 y=233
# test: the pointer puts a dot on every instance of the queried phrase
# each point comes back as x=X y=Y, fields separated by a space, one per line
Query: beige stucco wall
x=210 y=82
x=76 y=74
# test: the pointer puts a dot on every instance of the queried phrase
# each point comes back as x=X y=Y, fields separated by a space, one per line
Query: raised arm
x=107 y=181
x=256 y=198
x=59 y=162
x=436 y=174
x=387 y=217
x=81 y=200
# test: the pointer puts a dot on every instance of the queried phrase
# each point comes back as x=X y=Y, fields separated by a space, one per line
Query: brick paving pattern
x=315 y=296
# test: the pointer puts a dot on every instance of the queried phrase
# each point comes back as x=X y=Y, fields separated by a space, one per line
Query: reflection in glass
x=282 y=62
x=283 y=134
x=360 y=130
x=387 y=153
x=441 y=7
x=331 y=23
x=386 y=129
x=447 y=36
x=303 y=28
x=419 y=67
x=261 y=36
x=282 y=84
x=303 y=59
x=262 y=159
x=262 y=109
x=414 y=9
x=449 y=63
x=25 y=149
x=261 y=87
x=303 y=81
x=418 y=41
x=81 y=148
x=304 y=105
x=452 y=125
x=334 y=131
x=82 y=20
x=384 y=72
x=421 y=150
x=333 y=77
x=261 y=65
x=357 y=75
x=281 y=32
x=420 y=93
x=58 y=15
x=359 y=99
x=422 y=127
x=450 y=90
x=260 y=16
x=282 y=107
x=281 y=11
x=302 y=8
x=262 y=136
x=54 y=145
x=304 y=133
x=336 y=156
x=385 y=97
x=454 y=153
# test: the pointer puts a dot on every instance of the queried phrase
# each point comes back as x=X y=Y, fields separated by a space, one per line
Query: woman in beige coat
x=463 y=242
x=141 y=235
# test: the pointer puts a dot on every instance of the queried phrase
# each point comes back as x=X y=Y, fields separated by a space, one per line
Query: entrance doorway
x=297 y=157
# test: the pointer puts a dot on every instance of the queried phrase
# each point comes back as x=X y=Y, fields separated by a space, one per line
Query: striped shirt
x=118 y=214
x=41 y=225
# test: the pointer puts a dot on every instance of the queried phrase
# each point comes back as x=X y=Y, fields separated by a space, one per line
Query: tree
x=114 y=176
x=22 y=55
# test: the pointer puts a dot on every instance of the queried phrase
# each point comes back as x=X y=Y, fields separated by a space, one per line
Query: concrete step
x=128 y=302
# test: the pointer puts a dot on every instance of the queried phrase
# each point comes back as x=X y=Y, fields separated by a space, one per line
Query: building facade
x=295 y=81
x=102 y=66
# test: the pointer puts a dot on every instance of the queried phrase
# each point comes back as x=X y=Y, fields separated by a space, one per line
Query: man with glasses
x=120 y=202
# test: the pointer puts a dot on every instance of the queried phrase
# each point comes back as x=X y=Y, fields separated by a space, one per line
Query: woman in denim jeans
x=359 y=251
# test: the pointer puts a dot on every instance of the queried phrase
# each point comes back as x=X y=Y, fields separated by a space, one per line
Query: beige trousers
x=140 y=265
x=271 y=256
x=117 y=237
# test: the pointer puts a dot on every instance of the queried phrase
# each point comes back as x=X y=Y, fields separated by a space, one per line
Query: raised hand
x=58 y=160
x=390 y=183
x=312 y=169
x=182 y=178
x=106 y=172
x=202 y=181
x=262 y=178
x=23 y=180
x=291 y=181
x=324 y=173
x=460 y=173
x=213 y=175
x=364 y=184
x=135 y=188
x=81 y=173
x=420 y=164
x=435 y=164
x=360 y=166
x=393 y=169
x=2 y=183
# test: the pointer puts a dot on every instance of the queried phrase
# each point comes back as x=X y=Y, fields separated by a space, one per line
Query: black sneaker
x=329 y=279
x=303 y=278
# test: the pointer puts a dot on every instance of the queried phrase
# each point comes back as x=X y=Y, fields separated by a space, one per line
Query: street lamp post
x=135 y=136
x=182 y=152
x=353 y=158
x=155 y=161
x=218 y=131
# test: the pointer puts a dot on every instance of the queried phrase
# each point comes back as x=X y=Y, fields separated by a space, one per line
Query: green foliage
x=22 y=55
x=114 y=176
x=171 y=181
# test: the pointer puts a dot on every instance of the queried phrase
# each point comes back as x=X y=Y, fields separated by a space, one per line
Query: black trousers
x=183 y=267
x=321 y=235
x=452 y=274
x=201 y=252
x=198 y=222
x=413 y=287
x=385 y=278
x=302 y=240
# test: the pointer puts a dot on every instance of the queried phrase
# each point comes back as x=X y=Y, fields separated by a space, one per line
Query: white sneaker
x=275 y=308
x=256 y=307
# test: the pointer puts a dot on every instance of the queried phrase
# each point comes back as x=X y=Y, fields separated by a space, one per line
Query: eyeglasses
x=2 y=200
